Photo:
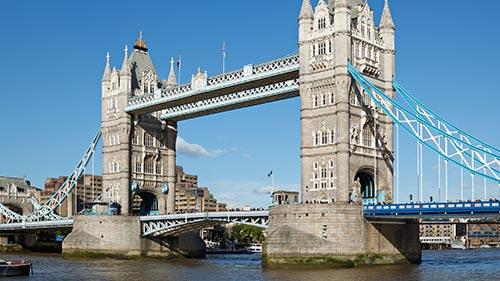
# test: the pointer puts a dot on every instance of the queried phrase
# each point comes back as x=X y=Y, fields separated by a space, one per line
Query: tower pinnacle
x=107 y=69
x=386 y=21
x=171 y=81
x=140 y=44
x=306 y=11
x=125 y=68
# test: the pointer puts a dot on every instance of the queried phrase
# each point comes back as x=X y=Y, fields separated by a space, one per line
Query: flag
x=270 y=173
x=179 y=62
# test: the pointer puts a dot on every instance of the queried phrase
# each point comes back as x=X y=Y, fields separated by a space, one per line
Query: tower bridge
x=344 y=75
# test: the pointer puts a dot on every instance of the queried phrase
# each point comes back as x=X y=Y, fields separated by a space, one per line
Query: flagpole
x=272 y=178
x=223 y=56
x=180 y=65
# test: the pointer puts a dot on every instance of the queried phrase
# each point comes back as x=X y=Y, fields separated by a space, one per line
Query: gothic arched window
x=148 y=140
x=367 y=136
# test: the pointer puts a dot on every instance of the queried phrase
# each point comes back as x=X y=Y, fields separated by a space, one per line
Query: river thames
x=436 y=265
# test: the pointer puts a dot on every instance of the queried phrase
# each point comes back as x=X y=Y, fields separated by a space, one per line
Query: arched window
x=316 y=139
x=149 y=166
x=322 y=48
x=158 y=167
x=367 y=136
x=324 y=138
x=323 y=100
x=316 y=100
x=321 y=23
x=353 y=99
x=148 y=140
x=332 y=136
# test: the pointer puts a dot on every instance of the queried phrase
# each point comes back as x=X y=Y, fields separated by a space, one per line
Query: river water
x=437 y=265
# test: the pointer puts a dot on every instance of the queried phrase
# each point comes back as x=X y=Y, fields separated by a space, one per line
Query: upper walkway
x=251 y=85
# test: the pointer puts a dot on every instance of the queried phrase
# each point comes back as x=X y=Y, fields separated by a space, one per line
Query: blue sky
x=53 y=57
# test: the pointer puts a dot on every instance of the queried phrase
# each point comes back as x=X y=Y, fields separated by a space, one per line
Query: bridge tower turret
x=346 y=141
x=137 y=153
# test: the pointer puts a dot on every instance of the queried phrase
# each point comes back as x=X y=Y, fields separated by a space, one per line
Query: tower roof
x=139 y=62
x=386 y=21
x=106 y=76
x=306 y=11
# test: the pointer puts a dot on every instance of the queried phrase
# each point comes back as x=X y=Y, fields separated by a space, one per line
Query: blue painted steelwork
x=433 y=209
x=477 y=159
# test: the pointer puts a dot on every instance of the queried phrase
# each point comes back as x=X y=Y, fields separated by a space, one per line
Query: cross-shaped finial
x=126 y=51
x=107 y=57
x=140 y=34
x=171 y=61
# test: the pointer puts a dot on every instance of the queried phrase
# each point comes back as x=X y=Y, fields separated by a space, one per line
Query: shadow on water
x=437 y=265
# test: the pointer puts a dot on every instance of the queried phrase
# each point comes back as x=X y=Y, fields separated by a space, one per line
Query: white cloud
x=197 y=150
x=192 y=149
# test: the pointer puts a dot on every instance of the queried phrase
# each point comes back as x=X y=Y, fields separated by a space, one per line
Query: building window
x=324 y=138
x=135 y=138
x=321 y=48
x=330 y=47
x=321 y=23
x=332 y=98
x=366 y=99
x=367 y=136
x=148 y=140
x=317 y=139
x=149 y=166
x=158 y=167
x=315 y=165
x=353 y=99
x=332 y=136
x=316 y=101
x=138 y=166
x=331 y=164
x=323 y=185
x=323 y=173
x=323 y=100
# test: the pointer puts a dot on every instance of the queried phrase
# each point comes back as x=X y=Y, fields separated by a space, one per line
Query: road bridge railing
x=448 y=209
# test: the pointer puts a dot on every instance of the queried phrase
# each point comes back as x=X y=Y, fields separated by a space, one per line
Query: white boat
x=458 y=245
x=254 y=248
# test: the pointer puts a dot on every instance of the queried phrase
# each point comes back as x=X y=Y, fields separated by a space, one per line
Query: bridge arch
x=365 y=182
x=145 y=203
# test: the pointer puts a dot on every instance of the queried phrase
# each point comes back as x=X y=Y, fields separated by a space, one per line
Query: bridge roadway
x=173 y=225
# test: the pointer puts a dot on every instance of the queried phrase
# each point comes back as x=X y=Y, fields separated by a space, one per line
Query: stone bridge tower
x=346 y=145
x=138 y=151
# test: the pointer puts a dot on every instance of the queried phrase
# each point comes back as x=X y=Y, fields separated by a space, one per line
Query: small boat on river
x=15 y=268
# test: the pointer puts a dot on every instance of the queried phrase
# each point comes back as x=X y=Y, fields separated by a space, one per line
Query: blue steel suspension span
x=467 y=152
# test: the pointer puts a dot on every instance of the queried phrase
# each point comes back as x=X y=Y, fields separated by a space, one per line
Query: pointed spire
x=125 y=68
x=171 y=81
x=306 y=11
x=386 y=21
x=107 y=69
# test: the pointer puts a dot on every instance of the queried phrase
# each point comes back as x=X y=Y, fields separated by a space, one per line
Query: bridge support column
x=337 y=235
x=118 y=236
x=171 y=155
